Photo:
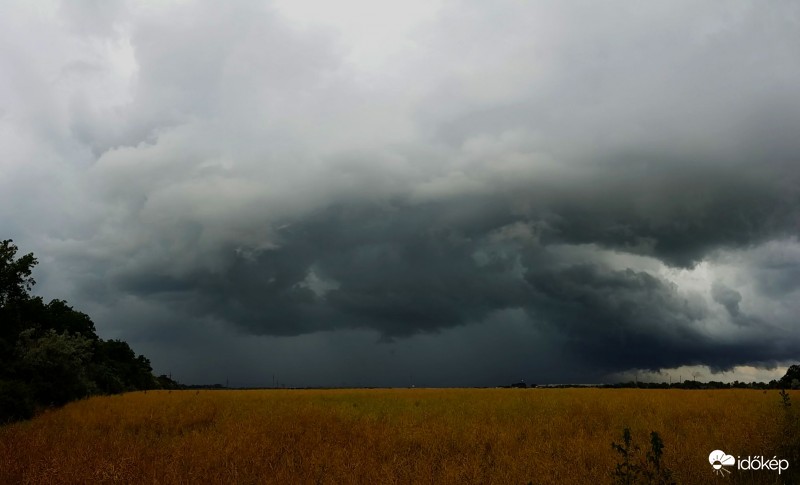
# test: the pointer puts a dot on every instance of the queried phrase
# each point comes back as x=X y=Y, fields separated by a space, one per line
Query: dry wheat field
x=393 y=436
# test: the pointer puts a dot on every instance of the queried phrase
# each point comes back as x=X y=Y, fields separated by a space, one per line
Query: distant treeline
x=791 y=380
x=50 y=353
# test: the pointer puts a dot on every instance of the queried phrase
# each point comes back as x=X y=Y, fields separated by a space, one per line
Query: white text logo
x=719 y=460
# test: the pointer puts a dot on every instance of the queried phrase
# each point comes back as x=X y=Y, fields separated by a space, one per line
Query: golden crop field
x=403 y=436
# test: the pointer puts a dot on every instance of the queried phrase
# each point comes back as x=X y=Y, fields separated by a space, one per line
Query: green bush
x=55 y=365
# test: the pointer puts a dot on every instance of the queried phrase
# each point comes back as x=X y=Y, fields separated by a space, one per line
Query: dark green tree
x=791 y=380
x=55 y=365
x=15 y=283
x=15 y=274
x=50 y=353
x=117 y=368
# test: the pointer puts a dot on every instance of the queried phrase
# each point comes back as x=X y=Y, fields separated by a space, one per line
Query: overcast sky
x=437 y=193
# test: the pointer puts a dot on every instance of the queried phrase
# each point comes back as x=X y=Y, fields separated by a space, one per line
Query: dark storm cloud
x=675 y=210
x=605 y=187
x=399 y=269
x=623 y=319
x=395 y=268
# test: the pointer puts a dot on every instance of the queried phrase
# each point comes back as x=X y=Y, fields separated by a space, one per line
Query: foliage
x=55 y=364
x=15 y=282
x=655 y=472
x=50 y=353
x=166 y=382
x=116 y=359
x=633 y=469
x=57 y=315
x=16 y=401
x=791 y=380
x=626 y=472
x=786 y=402
x=789 y=437
x=15 y=274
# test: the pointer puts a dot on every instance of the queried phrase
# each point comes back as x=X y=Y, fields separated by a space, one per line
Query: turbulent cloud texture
x=475 y=193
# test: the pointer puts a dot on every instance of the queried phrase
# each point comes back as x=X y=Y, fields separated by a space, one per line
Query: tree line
x=50 y=353
x=790 y=380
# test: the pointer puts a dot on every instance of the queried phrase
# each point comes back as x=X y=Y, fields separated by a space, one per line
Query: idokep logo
x=719 y=459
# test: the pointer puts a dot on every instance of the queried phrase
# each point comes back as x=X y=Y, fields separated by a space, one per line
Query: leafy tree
x=15 y=275
x=50 y=353
x=118 y=368
x=62 y=318
x=15 y=282
x=791 y=380
x=166 y=382
x=55 y=365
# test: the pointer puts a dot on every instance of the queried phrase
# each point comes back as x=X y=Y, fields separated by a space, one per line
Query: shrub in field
x=633 y=469
x=789 y=447
x=626 y=471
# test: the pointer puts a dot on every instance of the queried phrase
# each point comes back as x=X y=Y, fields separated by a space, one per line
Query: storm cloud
x=595 y=188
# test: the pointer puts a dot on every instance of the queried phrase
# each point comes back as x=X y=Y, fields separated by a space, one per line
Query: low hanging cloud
x=621 y=179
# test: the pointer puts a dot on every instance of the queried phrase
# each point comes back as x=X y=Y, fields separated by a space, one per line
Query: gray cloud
x=627 y=319
x=612 y=187
x=727 y=297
